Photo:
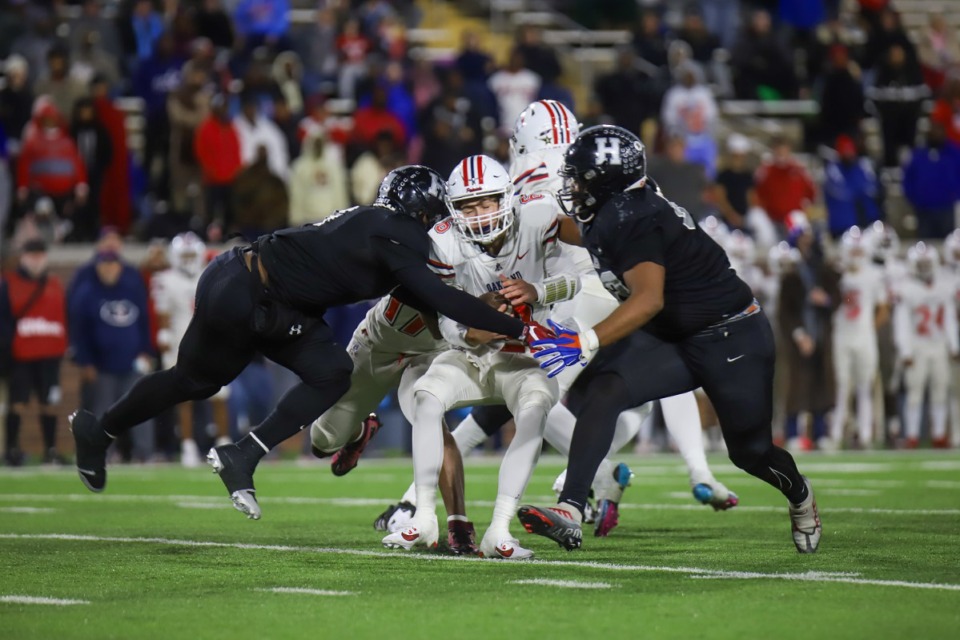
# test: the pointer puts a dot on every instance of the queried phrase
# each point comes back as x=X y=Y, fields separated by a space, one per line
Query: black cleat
x=236 y=472
x=462 y=538
x=92 y=443
x=557 y=524
x=404 y=510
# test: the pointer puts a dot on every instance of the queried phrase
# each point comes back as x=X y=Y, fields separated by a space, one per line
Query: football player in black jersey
x=270 y=298
x=686 y=321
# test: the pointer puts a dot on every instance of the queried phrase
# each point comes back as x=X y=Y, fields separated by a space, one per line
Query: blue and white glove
x=565 y=350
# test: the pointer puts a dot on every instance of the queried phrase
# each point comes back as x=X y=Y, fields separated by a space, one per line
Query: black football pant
x=734 y=365
x=221 y=341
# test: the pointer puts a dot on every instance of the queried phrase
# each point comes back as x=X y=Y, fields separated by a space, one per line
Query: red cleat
x=348 y=456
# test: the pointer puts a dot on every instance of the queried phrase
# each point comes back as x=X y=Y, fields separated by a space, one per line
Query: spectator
x=35 y=43
x=514 y=87
x=263 y=22
x=90 y=59
x=681 y=181
x=318 y=182
x=96 y=150
x=370 y=120
x=399 y=99
x=782 y=184
x=736 y=198
x=255 y=131
x=451 y=131
x=809 y=295
x=946 y=110
x=939 y=50
x=213 y=23
x=722 y=18
x=50 y=164
x=353 y=48
x=693 y=31
x=320 y=49
x=16 y=102
x=187 y=107
x=318 y=119
x=649 y=42
x=33 y=331
x=898 y=96
x=538 y=57
x=888 y=32
x=931 y=183
x=850 y=189
x=62 y=90
x=690 y=111
x=372 y=167
x=392 y=39
x=6 y=182
x=147 y=25
x=762 y=67
x=287 y=72
x=115 y=210
x=841 y=99
x=110 y=336
x=474 y=64
x=288 y=125
x=91 y=20
x=259 y=198
x=217 y=148
x=203 y=59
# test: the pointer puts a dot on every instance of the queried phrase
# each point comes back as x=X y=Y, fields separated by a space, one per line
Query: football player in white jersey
x=926 y=336
x=865 y=305
x=486 y=246
x=172 y=292
x=951 y=259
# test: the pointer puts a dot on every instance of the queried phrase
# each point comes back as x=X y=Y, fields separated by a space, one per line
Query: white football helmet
x=740 y=247
x=854 y=248
x=544 y=124
x=923 y=261
x=188 y=253
x=883 y=240
x=782 y=258
x=716 y=229
x=951 y=248
x=477 y=177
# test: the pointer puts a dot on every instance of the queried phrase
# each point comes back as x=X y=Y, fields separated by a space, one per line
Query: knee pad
x=537 y=400
x=324 y=437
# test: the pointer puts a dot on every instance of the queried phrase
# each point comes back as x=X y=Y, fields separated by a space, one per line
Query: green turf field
x=161 y=554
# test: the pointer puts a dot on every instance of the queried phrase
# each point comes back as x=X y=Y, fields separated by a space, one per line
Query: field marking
x=943 y=484
x=564 y=584
x=31 y=510
x=382 y=502
x=602 y=566
x=308 y=592
x=830 y=491
x=18 y=599
x=940 y=465
x=202 y=505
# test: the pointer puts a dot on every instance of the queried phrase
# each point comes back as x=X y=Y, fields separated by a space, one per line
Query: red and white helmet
x=188 y=253
x=882 y=240
x=854 y=248
x=476 y=177
x=923 y=261
x=951 y=248
x=740 y=247
x=782 y=258
x=544 y=124
x=716 y=229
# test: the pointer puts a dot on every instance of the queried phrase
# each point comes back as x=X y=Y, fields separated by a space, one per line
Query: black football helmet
x=415 y=191
x=602 y=161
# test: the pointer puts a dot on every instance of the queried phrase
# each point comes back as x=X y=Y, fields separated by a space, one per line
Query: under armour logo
x=295 y=330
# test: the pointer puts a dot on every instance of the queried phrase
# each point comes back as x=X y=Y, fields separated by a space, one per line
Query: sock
x=646 y=429
x=559 y=430
x=457 y=518
x=410 y=495
x=682 y=417
x=503 y=511
x=521 y=456
x=793 y=426
x=468 y=435
x=298 y=408
x=13 y=431
x=427 y=451
x=865 y=414
x=572 y=509
x=778 y=469
x=938 y=420
x=819 y=425
x=628 y=425
x=913 y=421
x=48 y=427
x=840 y=412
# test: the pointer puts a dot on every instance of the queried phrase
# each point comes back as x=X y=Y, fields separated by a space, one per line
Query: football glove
x=535 y=332
x=564 y=350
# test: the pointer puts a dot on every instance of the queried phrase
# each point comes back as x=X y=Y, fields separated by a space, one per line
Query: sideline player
x=686 y=321
x=270 y=298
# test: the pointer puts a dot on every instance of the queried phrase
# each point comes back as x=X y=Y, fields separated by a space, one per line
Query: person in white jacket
x=255 y=130
x=318 y=181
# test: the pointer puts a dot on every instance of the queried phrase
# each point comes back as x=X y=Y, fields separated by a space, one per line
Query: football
x=496 y=300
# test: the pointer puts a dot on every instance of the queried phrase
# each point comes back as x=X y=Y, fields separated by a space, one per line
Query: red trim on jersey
x=438 y=264
x=520 y=178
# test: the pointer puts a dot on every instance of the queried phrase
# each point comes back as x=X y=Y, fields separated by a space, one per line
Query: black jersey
x=363 y=253
x=700 y=288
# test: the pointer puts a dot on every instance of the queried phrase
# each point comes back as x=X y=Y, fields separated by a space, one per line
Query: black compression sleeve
x=455 y=304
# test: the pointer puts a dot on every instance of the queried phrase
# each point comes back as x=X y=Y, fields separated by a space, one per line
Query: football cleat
x=557 y=524
x=92 y=443
x=417 y=534
x=395 y=517
x=189 y=454
x=236 y=472
x=610 y=487
x=716 y=495
x=806 y=522
x=502 y=546
x=348 y=456
x=462 y=538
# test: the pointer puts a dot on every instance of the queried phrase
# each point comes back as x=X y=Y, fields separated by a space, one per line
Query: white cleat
x=709 y=491
x=806 y=522
x=189 y=454
x=418 y=534
x=503 y=546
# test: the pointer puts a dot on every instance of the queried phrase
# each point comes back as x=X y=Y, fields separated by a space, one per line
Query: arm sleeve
x=562 y=274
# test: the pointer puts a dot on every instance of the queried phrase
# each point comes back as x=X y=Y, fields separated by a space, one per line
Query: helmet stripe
x=479 y=161
x=564 y=124
x=465 y=172
x=553 y=120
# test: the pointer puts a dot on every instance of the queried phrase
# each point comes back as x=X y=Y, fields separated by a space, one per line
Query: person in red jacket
x=49 y=163
x=217 y=147
x=33 y=321
x=115 y=202
x=783 y=185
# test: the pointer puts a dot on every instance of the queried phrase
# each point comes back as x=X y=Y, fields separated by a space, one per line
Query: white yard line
x=309 y=592
x=603 y=566
x=18 y=599
x=383 y=502
x=564 y=584
x=30 y=510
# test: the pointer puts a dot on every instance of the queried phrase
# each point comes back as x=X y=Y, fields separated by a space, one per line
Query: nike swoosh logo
x=409 y=537
x=523 y=255
x=86 y=472
x=734 y=359
x=506 y=552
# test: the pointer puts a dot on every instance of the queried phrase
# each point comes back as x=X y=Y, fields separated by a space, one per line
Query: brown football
x=496 y=299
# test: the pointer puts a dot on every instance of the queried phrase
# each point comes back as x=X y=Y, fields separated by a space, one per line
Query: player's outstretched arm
x=645 y=282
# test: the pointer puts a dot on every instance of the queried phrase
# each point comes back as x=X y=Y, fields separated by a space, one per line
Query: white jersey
x=895 y=273
x=173 y=293
x=862 y=292
x=926 y=317
x=391 y=326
